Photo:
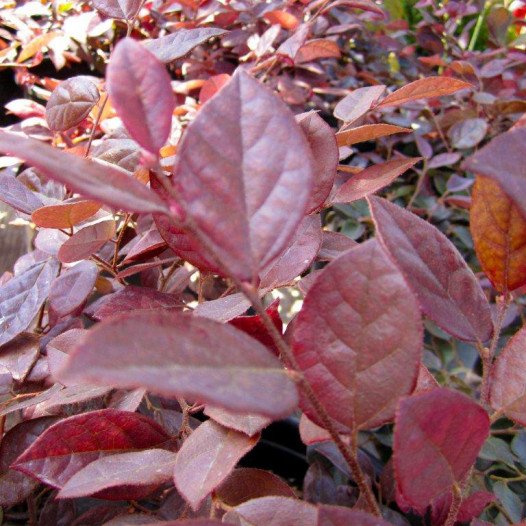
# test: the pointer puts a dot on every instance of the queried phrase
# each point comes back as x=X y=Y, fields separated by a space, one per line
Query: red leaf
x=447 y=289
x=132 y=298
x=244 y=197
x=358 y=338
x=212 y=86
x=425 y=381
x=502 y=160
x=248 y=424
x=357 y=103
x=15 y=486
x=140 y=90
x=73 y=443
x=19 y=355
x=125 y=9
x=176 y=354
x=148 y=468
x=71 y=289
x=368 y=132
x=247 y=483
x=372 y=179
x=22 y=296
x=254 y=326
x=334 y=245
x=508 y=379
x=426 y=88
x=296 y=258
x=317 y=49
x=86 y=241
x=325 y=155
x=178 y=44
x=438 y=436
x=66 y=214
x=340 y=516
x=206 y=458
x=284 y=19
x=366 y=5
x=105 y=183
x=71 y=102
x=17 y=195
x=223 y=309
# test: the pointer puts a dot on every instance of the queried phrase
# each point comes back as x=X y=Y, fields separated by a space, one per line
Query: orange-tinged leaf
x=284 y=19
x=212 y=86
x=499 y=233
x=425 y=88
x=36 y=45
x=65 y=215
x=316 y=49
x=368 y=132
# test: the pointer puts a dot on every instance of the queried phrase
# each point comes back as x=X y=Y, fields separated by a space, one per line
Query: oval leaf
x=357 y=103
x=372 y=179
x=368 y=132
x=499 y=233
x=86 y=242
x=125 y=9
x=447 y=289
x=508 y=379
x=244 y=187
x=18 y=196
x=361 y=356
x=22 y=296
x=425 y=88
x=64 y=215
x=140 y=90
x=175 y=354
x=206 y=459
x=103 y=182
x=71 y=102
x=152 y=467
x=73 y=443
x=503 y=161
x=438 y=436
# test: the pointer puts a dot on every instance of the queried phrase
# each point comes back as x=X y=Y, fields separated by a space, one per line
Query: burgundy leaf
x=19 y=355
x=71 y=289
x=59 y=347
x=66 y=214
x=140 y=90
x=125 y=153
x=311 y=433
x=333 y=245
x=358 y=338
x=248 y=424
x=73 y=443
x=425 y=381
x=508 y=379
x=149 y=244
x=446 y=288
x=291 y=46
x=176 y=354
x=142 y=468
x=254 y=326
x=357 y=103
x=502 y=160
x=16 y=404
x=206 y=458
x=22 y=296
x=247 y=483
x=438 y=436
x=132 y=298
x=17 y=195
x=125 y=9
x=426 y=88
x=103 y=182
x=223 y=309
x=372 y=179
x=86 y=241
x=71 y=102
x=244 y=191
x=340 y=516
x=325 y=155
x=73 y=394
x=15 y=486
x=296 y=258
x=178 y=44
x=366 y=5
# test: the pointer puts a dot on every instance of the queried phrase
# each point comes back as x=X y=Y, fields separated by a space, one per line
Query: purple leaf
x=176 y=354
x=357 y=103
x=103 y=182
x=17 y=195
x=358 y=338
x=22 y=296
x=19 y=355
x=206 y=459
x=445 y=286
x=244 y=189
x=85 y=242
x=140 y=90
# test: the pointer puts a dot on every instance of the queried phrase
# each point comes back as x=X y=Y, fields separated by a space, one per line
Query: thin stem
x=127 y=218
x=96 y=123
x=455 y=506
x=350 y=453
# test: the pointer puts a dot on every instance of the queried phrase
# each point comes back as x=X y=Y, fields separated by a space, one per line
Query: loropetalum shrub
x=143 y=353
